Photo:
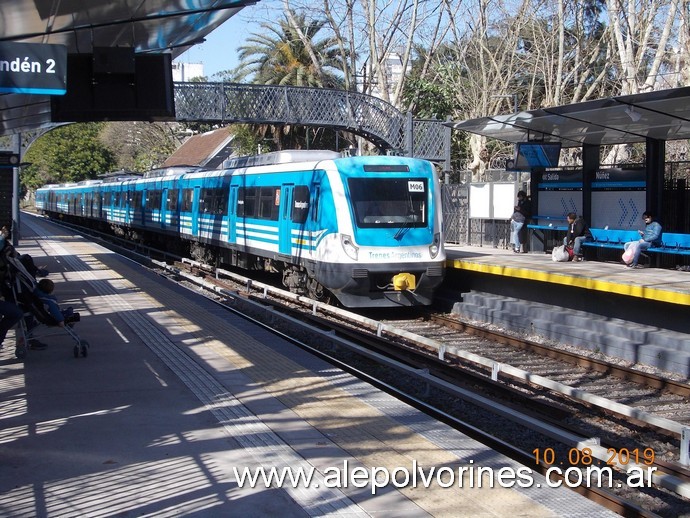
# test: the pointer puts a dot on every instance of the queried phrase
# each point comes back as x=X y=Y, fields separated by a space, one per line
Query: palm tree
x=289 y=54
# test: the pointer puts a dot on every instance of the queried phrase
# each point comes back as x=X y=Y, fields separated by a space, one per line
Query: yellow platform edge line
x=629 y=290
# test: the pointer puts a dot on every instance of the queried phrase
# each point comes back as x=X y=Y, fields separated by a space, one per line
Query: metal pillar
x=17 y=141
x=656 y=153
x=590 y=166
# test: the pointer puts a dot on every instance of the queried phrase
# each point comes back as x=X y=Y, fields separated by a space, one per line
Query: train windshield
x=389 y=202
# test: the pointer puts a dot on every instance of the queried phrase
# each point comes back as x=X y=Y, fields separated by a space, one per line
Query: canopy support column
x=590 y=166
x=656 y=155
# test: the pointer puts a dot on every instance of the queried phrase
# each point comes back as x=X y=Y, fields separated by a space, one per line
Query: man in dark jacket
x=578 y=233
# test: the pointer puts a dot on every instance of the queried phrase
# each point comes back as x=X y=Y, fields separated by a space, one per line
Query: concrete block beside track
x=636 y=343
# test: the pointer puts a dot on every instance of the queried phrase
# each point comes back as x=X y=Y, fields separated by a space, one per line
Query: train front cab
x=391 y=235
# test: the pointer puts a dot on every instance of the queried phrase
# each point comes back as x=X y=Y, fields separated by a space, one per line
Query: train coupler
x=404 y=281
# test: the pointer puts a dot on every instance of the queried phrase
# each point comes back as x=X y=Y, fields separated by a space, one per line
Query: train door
x=285 y=219
x=195 y=210
x=163 y=209
x=232 y=215
x=142 y=206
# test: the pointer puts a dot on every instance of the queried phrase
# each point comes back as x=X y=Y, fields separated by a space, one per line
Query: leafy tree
x=67 y=154
x=246 y=141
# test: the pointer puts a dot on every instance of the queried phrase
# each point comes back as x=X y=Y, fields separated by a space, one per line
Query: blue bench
x=547 y=227
x=543 y=238
x=611 y=238
x=671 y=243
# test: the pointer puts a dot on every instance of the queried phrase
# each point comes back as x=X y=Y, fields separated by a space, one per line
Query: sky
x=219 y=51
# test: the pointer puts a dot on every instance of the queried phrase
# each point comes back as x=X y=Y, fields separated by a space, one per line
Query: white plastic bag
x=560 y=255
x=630 y=252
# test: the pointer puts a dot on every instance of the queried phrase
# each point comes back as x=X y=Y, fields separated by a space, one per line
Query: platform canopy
x=661 y=115
x=147 y=26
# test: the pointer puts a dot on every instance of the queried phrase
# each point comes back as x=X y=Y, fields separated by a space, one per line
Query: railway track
x=653 y=395
x=553 y=423
x=560 y=405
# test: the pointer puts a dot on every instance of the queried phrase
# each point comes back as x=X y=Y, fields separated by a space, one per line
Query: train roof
x=177 y=170
x=280 y=157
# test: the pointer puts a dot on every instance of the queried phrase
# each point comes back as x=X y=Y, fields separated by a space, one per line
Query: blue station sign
x=33 y=68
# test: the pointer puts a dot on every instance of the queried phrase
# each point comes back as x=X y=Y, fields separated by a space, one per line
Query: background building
x=186 y=71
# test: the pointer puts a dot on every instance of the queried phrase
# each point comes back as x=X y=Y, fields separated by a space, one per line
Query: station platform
x=635 y=315
x=177 y=398
x=649 y=284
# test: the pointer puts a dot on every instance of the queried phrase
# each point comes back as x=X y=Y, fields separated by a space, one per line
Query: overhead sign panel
x=33 y=68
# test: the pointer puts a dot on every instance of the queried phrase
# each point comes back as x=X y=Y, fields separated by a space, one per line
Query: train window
x=222 y=202
x=187 y=200
x=215 y=201
x=269 y=203
x=153 y=200
x=246 y=202
x=300 y=203
x=207 y=200
x=317 y=196
x=389 y=202
x=136 y=200
x=172 y=199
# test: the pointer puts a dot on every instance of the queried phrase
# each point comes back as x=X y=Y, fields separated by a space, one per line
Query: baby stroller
x=23 y=285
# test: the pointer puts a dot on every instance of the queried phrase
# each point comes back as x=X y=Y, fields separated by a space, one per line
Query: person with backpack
x=522 y=212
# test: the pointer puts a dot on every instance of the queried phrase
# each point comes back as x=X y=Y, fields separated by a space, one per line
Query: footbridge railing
x=370 y=117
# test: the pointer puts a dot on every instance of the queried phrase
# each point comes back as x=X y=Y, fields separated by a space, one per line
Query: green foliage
x=246 y=141
x=66 y=154
x=429 y=98
x=278 y=56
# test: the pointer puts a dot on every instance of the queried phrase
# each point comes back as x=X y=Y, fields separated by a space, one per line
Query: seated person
x=578 y=233
x=44 y=291
x=650 y=236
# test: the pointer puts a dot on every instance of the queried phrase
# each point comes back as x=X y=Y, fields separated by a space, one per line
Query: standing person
x=650 y=236
x=10 y=312
x=578 y=233
x=523 y=211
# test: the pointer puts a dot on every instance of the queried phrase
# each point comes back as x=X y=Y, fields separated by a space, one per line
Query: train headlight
x=350 y=249
x=435 y=246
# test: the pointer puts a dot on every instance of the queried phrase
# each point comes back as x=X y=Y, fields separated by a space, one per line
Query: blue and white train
x=367 y=230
